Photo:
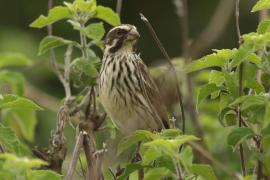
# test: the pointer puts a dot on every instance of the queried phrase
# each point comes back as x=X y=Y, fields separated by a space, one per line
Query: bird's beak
x=134 y=33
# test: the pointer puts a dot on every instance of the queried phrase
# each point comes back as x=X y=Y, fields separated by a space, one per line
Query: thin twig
x=119 y=7
x=68 y=56
x=75 y=156
x=162 y=49
x=89 y=150
x=178 y=171
x=55 y=65
x=182 y=12
x=240 y=90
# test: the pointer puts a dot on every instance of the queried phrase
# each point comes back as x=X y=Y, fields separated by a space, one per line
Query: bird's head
x=123 y=37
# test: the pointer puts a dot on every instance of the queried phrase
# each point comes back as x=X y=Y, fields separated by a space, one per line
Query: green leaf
x=9 y=139
x=231 y=83
x=151 y=154
x=186 y=157
x=22 y=119
x=217 y=59
x=266 y=142
x=43 y=175
x=19 y=165
x=13 y=59
x=55 y=14
x=238 y=135
x=263 y=27
x=216 y=77
x=260 y=5
x=249 y=101
x=13 y=101
x=159 y=173
x=15 y=81
x=85 y=66
x=130 y=168
x=82 y=6
x=50 y=42
x=205 y=91
x=95 y=31
x=169 y=133
x=137 y=136
x=204 y=171
x=108 y=15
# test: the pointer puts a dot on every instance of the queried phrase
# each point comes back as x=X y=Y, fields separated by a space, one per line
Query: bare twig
x=240 y=90
x=182 y=12
x=178 y=171
x=214 y=28
x=75 y=156
x=89 y=149
x=179 y=94
x=119 y=7
x=68 y=57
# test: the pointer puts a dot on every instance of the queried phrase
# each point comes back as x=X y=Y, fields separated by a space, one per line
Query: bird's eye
x=120 y=32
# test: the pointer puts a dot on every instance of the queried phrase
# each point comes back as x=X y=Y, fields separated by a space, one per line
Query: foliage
x=235 y=68
x=18 y=114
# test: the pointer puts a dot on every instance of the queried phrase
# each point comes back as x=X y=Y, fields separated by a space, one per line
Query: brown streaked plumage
x=127 y=92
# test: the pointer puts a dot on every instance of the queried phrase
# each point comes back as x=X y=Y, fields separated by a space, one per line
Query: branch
x=119 y=7
x=75 y=156
x=68 y=56
x=162 y=49
x=214 y=29
x=240 y=90
x=182 y=12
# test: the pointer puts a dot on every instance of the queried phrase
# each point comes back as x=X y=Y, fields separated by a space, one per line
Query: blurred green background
x=17 y=36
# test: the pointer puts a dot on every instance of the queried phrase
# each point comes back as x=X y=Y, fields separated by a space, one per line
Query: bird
x=126 y=90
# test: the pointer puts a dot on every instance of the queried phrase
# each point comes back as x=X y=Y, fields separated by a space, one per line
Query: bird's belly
x=123 y=112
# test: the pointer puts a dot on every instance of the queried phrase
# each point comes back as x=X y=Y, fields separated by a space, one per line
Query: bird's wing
x=151 y=92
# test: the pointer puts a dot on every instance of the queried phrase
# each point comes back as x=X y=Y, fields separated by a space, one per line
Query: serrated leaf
x=216 y=77
x=137 y=136
x=13 y=59
x=14 y=79
x=158 y=173
x=260 y=5
x=50 y=42
x=205 y=91
x=238 y=135
x=55 y=14
x=108 y=15
x=94 y=31
x=204 y=171
x=9 y=139
x=13 y=101
x=217 y=59
x=43 y=175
